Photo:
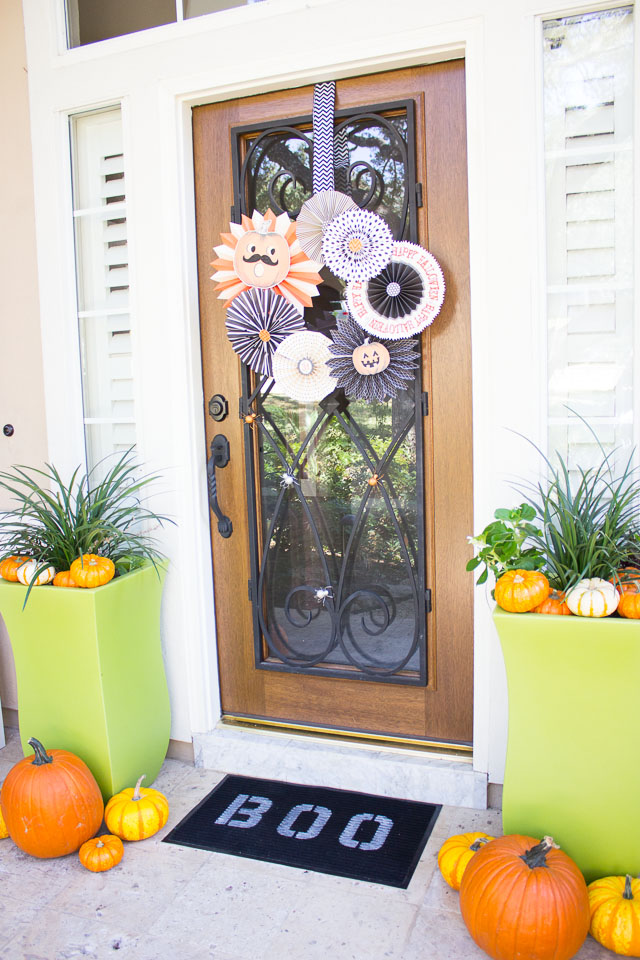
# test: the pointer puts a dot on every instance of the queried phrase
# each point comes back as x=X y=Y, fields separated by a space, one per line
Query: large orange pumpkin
x=519 y=591
x=51 y=802
x=555 y=605
x=525 y=898
x=9 y=567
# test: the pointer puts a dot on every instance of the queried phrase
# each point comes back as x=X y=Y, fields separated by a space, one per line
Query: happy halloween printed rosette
x=403 y=298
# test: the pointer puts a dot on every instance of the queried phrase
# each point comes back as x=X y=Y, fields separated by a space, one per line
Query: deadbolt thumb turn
x=219 y=458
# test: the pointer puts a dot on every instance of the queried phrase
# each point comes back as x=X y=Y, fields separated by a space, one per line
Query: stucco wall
x=21 y=387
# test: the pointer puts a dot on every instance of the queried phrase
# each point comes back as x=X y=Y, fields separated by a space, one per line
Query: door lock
x=218 y=407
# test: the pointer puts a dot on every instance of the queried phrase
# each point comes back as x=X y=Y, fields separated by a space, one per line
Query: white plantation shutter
x=103 y=284
x=588 y=114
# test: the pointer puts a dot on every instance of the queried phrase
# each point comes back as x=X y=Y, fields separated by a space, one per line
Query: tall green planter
x=573 y=754
x=90 y=673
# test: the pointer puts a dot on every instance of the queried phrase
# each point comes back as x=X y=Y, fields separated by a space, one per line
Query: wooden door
x=434 y=705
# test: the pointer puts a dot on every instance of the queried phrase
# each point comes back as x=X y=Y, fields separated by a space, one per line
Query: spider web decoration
x=403 y=362
x=404 y=297
x=257 y=323
x=357 y=244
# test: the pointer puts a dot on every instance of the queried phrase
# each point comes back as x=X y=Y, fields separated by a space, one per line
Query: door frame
x=206 y=707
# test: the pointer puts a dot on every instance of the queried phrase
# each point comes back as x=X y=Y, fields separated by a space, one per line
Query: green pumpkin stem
x=628 y=892
x=537 y=856
x=136 y=792
x=475 y=846
x=41 y=755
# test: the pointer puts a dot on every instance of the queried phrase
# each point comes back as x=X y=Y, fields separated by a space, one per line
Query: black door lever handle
x=219 y=458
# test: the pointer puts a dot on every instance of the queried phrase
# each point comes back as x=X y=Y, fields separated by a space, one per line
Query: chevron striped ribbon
x=341 y=162
x=324 y=98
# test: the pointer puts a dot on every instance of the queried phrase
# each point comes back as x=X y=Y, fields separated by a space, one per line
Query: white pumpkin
x=593 y=598
x=26 y=571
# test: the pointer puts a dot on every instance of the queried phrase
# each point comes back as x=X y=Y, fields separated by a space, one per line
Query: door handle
x=219 y=458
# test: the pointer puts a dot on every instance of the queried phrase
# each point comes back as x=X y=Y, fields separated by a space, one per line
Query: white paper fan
x=315 y=216
x=357 y=245
x=300 y=367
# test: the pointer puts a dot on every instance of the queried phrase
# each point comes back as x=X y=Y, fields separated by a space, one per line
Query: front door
x=341 y=596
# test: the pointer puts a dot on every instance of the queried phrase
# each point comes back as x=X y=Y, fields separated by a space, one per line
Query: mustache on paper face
x=261 y=256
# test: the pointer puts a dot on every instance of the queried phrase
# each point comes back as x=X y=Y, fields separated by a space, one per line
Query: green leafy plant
x=103 y=512
x=501 y=545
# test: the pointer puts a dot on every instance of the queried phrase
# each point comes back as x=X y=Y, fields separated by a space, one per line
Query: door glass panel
x=338 y=578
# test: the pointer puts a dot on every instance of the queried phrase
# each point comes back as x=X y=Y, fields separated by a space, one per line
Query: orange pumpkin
x=101 y=853
x=629 y=603
x=524 y=898
x=615 y=914
x=136 y=814
x=555 y=604
x=64 y=579
x=9 y=567
x=626 y=579
x=456 y=852
x=51 y=802
x=519 y=591
x=90 y=570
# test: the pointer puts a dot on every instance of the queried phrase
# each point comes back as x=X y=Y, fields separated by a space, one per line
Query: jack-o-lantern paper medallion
x=404 y=297
x=257 y=323
x=300 y=367
x=368 y=369
x=263 y=252
x=356 y=245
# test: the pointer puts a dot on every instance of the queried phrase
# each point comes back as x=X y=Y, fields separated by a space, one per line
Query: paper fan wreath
x=263 y=252
x=315 y=216
x=300 y=367
x=257 y=323
x=403 y=298
x=368 y=369
x=357 y=244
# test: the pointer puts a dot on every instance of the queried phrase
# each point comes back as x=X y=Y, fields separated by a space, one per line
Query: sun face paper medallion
x=264 y=252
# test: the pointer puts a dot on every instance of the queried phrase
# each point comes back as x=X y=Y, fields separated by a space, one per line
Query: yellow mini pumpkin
x=26 y=573
x=136 y=814
x=593 y=598
x=90 y=570
x=456 y=852
x=101 y=853
x=614 y=903
x=9 y=567
x=4 y=833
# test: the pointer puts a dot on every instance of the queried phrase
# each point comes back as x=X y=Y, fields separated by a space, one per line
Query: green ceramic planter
x=573 y=754
x=90 y=673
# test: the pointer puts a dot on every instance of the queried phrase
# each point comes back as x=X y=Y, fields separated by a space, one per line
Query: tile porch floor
x=165 y=902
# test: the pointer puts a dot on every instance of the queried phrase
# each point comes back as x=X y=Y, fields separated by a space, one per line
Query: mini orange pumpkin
x=90 y=570
x=519 y=591
x=626 y=578
x=456 y=852
x=9 y=567
x=64 y=579
x=101 y=853
x=134 y=814
x=555 y=604
x=629 y=603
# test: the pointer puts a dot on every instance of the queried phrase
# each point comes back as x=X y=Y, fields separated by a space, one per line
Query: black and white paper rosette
x=257 y=323
x=389 y=366
x=403 y=298
x=315 y=216
x=357 y=245
x=300 y=367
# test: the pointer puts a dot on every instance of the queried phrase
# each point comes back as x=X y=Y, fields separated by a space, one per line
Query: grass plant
x=103 y=511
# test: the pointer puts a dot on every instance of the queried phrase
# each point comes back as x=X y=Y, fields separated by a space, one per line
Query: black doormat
x=348 y=834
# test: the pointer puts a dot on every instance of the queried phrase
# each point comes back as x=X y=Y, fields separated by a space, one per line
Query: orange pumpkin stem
x=537 y=856
x=628 y=892
x=136 y=792
x=41 y=755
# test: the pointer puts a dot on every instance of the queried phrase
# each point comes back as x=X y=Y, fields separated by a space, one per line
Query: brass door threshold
x=452 y=751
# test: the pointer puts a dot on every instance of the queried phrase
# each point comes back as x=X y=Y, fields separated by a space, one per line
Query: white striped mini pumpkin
x=26 y=571
x=593 y=598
